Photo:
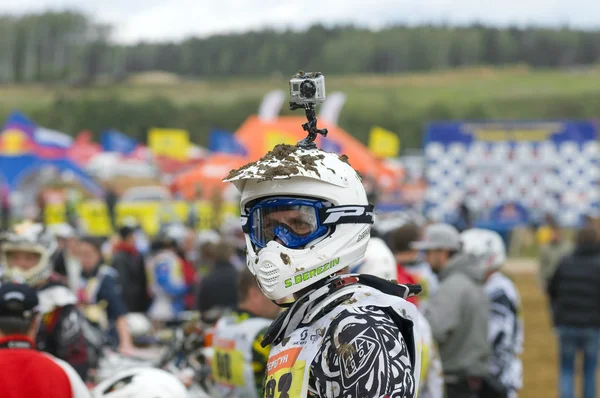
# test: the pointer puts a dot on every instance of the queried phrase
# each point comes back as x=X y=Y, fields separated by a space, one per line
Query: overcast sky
x=174 y=19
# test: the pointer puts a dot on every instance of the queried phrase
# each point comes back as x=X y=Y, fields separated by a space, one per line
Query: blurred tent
x=259 y=136
x=15 y=169
x=206 y=178
x=26 y=148
x=83 y=149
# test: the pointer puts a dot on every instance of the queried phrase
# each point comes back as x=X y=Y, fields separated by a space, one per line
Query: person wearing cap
x=27 y=372
x=458 y=311
x=409 y=261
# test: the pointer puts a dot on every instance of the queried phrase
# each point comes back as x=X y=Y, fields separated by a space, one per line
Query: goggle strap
x=354 y=214
x=245 y=224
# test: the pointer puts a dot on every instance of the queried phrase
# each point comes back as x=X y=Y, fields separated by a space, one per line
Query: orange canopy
x=208 y=176
x=258 y=137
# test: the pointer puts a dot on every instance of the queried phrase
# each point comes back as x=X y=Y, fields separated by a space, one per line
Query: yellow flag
x=278 y=137
x=172 y=143
x=384 y=143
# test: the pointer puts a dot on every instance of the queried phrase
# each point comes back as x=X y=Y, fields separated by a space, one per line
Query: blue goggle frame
x=287 y=236
x=326 y=216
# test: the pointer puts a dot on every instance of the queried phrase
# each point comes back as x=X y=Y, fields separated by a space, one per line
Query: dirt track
x=540 y=355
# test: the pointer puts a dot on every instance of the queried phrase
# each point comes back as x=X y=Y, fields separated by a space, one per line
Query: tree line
x=71 y=47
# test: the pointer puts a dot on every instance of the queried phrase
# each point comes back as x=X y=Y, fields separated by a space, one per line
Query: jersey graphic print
x=363 y=355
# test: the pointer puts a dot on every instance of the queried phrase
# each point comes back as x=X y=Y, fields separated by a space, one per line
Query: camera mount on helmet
x=307 y=90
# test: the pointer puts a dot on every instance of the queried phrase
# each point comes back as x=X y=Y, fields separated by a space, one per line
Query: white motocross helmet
x=379 y=261
x=141 y=382
x=32 y=238
x=323 y=197
x=485 y=244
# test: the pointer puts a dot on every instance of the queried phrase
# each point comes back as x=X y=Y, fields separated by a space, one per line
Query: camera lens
x=308 y=89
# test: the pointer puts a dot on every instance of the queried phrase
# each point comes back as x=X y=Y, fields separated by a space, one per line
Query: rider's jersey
x=355 y=342
x=431 y=383
x=166 y=281
x=101 y=307
x=61 y=333
x=505 y=331
x=239 y=360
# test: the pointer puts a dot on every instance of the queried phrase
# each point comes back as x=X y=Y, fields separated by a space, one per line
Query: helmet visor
x=293 y=222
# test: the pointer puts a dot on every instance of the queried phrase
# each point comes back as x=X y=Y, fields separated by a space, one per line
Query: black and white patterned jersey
x=505 y=331
x=363 y=355
x=355 y=336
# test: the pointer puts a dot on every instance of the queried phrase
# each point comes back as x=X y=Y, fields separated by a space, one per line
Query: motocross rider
x=26 y=251
x=239 y=360
x=307 y=219
x=505 y=328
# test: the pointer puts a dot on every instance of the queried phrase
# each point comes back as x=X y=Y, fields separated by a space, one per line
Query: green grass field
x=457 y=86
x=401 y=103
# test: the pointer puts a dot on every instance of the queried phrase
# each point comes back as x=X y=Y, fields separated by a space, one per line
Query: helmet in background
x=485 y=244
x=379 y=261
x=141 y=382
x=31 y=238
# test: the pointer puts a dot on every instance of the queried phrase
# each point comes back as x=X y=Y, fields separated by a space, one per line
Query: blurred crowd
x=473 y=335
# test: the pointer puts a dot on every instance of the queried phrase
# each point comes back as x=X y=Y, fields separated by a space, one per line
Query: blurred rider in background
x=100 y=296
x=239 y=361
x=25 y=254
x=27 y=372
x=505 y=332
x=166 y=277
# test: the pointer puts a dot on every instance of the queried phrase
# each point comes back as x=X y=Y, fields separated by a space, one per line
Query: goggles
x=297 y=221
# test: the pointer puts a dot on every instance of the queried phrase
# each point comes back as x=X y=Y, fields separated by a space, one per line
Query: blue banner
x=225 y=142
x=512 y=172
x=329 y=145
x=115 y=141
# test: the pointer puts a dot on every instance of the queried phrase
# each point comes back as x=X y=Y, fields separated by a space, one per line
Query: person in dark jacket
x=574 y=292
x=100 y=295
x=130 y=265
x=217 y=291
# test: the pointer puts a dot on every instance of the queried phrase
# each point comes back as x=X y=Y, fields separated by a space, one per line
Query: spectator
x=65 y=261
x=574 y=292
x=166 y=279
x=409 y=261
x=217 y=292
x=27 y=372
x=552 y=253
x=131 y=269
x=206 y=244
x=464 y=218
x=457 y=312
x=111 y=198
x=505 y=323
x=100 y=296
x=5 y=207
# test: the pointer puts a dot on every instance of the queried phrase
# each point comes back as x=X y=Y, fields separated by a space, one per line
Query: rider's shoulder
x=54 y=295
